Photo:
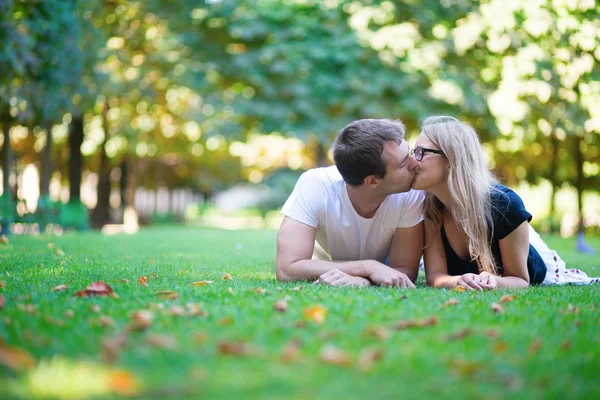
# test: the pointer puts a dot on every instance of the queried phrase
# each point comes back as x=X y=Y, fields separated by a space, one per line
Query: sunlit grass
x=499 y=357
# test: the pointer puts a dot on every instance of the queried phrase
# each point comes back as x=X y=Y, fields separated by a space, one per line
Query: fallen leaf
x=291 y=351
x=230 y=291
x=566 y=345
x=225 y=321
x=506 y=298
x=430 y=321
x=468 y=368
x=500 y=346
x=28 y=308
x=97 y=289
x=15 y=358
x=59 y=288
x=497 y=308
x=167 y=294
x=330 y=354
x=296 y=289
x=459 y=289
x=162 y=341
x=202 y=283
x=367 y=359
x=123 y=383
x=96 y=308
x=227 y=277
x=125 y=280
x=194 y=310
x=233 y=348
x=50 y=245
x=572 y=309
x=106 y=321
x=59 y=252
x=461 y=334
x=141 y=320
x=328 y=335
x=2 y=284
x=143 y=281
x=534 y=347
x=112 y=346
x=280 y=305
x=69 y=314
x=2 y=301
x=379 y=332
x=492 y=333
x=260 y=290
x=178 y=311
x=315 y=313
x=54 y=321
x=4 y=239
x=201 y=337
x=451 y=302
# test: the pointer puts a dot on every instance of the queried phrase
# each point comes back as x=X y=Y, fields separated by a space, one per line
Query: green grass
x=416 y=363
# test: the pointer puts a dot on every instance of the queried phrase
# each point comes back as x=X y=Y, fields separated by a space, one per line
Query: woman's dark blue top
x=508 y=212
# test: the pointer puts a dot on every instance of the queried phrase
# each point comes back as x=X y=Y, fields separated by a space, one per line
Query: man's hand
x=471 y=282
x=488 y=281
x=383 y=275
x=336 y=277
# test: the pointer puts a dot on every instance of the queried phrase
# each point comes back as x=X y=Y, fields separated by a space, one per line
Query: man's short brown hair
x=358 y=148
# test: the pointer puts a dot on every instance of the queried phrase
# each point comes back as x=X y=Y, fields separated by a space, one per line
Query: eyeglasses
x=419 y=152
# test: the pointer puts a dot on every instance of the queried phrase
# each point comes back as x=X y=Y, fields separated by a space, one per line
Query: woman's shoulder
x=504 y=199
x=508 y=210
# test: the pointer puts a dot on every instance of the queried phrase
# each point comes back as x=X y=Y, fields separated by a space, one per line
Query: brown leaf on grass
x=4 y=239
x=296 y=289
x=507 y=299
x=201 y=283
x=225 y=321
x=497 y=308
x=15 y=358
x=124 y=280
x=168 y=342
x=59 y=288
x=194 y=310
x=112 y=346
x=259 y=290
x=59 y=252
x=54 y=321
x=367 y=359
x=69 y=314
x=492 y=333
x=2 y=284
x=227 y=277
x=379 y=332
x=167 y=294
x=280 y=305
x=123 y=383
x=500 y=346
x=28 y=308
x=238 y=349
x=50 y=245
x=291 y=351
x=572 y=309
x=330 y=354
x=143 y=281
x=450 y=302
x=141 y=320
x=534 y=347
x=459 y=289
x=106 y=321
x=429 y=321
x=177 y=310
x=464 y=367
x=315 y=313
x=97 y=289
x=328 y=335
x=461 y=334
x=2 y=301
x=566 y=345
x=95 y=308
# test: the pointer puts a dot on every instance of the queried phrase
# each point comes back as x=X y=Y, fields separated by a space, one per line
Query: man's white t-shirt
x=320 y=200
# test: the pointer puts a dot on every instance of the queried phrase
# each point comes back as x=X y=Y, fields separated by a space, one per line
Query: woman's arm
x=514 y=249
x=434 y=256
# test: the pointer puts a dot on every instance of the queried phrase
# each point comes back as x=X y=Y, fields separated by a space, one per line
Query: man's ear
x=371 y=181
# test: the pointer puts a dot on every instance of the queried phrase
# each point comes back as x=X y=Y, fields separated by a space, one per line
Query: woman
x=477 y=231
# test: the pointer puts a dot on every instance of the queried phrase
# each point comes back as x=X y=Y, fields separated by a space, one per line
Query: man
x=343 y=222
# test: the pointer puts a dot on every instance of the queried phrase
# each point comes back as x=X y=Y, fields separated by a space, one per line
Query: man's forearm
x=312 y=269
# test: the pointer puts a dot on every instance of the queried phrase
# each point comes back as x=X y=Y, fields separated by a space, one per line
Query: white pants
x=556 y=269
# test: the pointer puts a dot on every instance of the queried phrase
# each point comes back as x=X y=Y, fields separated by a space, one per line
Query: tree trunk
x=123 y=183
x=76 y=158
x=6 y=160
x=579 y=182
x=101 y=214
x=46 y=166
x=553 y=181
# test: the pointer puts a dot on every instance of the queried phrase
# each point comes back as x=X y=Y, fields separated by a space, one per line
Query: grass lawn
x=546 y=344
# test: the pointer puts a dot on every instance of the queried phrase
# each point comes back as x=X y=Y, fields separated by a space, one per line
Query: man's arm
x=295 y=246
x=406 y=250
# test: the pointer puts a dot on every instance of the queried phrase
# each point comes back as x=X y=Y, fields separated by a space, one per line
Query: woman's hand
x=336 y=277
x=488 y=281
x=470 y=282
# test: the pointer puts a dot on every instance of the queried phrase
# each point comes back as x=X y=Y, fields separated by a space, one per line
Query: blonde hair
x=470 y=183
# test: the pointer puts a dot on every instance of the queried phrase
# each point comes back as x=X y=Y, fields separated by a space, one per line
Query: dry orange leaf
x=466 y=367
x=143 y=281
x=141 y=319
x=178 y=311
x=459 y=289
x=429 y=321
x=379 y=332
x=54 y=321
x=506 y=298
x=2 y=301
x=227 y=277
x=202 y=283
x=59 y=288
x=330 y=354
x=500 y=347
x=2 y=284
x=367 y=359
x=315 y=313
x=163 y=341
x=233 y=348
x=291 y=351
x=461 y=334
x=566 y=345
x=123 y=383
x=167 y=294
x=450 y=302
x=280 y=305
x=497 y=308
x=4 y=239
x=225 y=321
x=260 y=290
x=194 y=310
x=106 y=321
x=112 y=346
x=96 y=289
x=15 y=358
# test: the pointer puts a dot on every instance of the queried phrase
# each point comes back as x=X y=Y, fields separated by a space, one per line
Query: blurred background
x=120 y=113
